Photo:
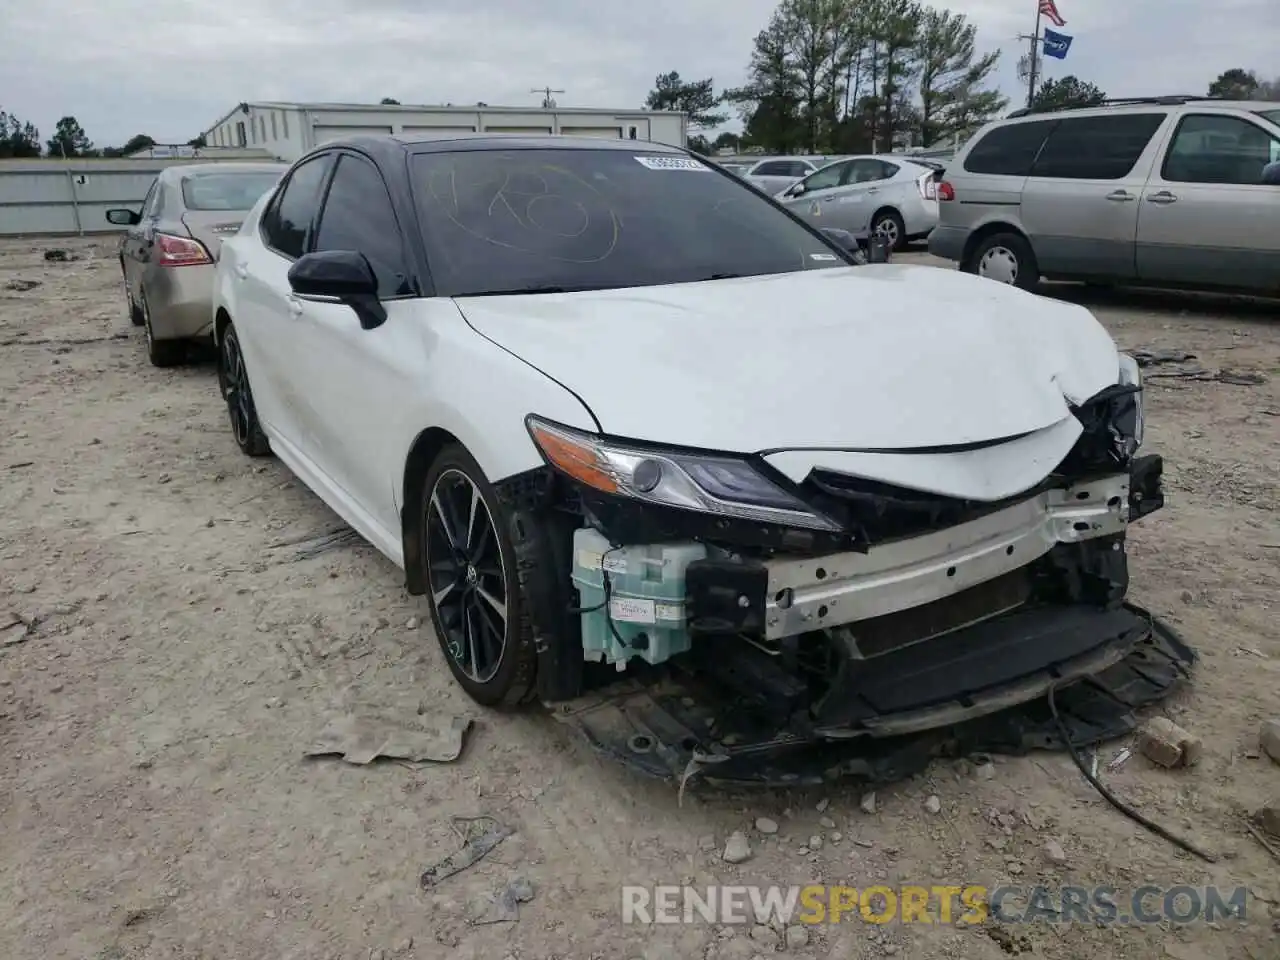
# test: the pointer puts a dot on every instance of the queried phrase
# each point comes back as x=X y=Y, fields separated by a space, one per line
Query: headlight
x=709 y=484
x=1131 y=374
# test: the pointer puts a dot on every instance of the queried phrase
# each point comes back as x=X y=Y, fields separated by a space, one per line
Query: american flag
x=1050 y=9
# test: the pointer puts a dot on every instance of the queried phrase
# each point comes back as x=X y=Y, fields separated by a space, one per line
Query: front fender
x=480 y=393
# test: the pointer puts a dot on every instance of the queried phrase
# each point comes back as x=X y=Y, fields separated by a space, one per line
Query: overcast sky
x=171 y=69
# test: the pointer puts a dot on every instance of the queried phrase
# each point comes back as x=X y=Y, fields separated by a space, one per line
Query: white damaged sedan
x=625 y=422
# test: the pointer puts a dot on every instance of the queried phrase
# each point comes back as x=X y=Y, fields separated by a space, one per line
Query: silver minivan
x=1168 y=191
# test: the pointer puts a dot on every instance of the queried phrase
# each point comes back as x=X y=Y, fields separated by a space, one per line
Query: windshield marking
x=506 y=192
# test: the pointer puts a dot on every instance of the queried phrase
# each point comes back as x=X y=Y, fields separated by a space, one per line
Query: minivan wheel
x=473 y=589
x=1005 y=258
x=889 y=226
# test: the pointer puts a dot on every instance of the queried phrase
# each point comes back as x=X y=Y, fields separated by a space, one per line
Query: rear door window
x=1009 y=150
x=1096 y=148
x=287 y=221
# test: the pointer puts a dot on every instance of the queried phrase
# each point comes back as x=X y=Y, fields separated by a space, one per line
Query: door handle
x=295 y=307
x=242 y=271
x=873 y=190
x=1120 y=196
x=1164 y=196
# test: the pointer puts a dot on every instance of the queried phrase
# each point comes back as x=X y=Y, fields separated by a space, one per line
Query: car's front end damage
x=767 y=629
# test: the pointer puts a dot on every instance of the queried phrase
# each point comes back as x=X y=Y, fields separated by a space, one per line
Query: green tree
x=199 y=141
x=1066 y=93
x=70 y=140
x=952 y=77
x=18 y=140
x=726 y=141
x=389 y=101
x=769 y=102
x=1235 y=84
x=696 y=98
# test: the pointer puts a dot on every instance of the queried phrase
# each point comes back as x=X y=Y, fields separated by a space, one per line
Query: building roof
x=436 y=108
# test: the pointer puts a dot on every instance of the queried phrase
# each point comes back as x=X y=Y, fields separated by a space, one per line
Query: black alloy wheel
x=474 y=594
x=233 y=380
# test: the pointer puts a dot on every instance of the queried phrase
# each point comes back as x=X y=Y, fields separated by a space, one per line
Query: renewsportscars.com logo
x=972 y=904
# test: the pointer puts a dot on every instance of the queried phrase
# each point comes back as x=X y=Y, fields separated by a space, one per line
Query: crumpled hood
x=886 y=357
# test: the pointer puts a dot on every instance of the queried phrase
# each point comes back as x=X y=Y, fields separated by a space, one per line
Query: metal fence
x=70 y=197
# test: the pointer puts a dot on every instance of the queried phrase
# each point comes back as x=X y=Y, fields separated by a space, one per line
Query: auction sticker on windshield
x=672 y=163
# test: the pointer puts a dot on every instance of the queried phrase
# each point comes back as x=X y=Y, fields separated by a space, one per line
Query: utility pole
x=547 y=102
x=1034 y=60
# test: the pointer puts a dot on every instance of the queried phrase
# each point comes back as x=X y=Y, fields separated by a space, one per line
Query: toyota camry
x=625 y=422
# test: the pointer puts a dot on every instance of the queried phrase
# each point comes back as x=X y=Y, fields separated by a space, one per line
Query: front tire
x=233 y=381
x=473 y=590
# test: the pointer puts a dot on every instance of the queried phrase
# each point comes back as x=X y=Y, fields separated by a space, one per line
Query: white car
x=777 y=173
x=891 y=196
x=612 y=411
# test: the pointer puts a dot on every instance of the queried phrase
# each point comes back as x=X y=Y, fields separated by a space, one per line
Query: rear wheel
x=1005 y=258
x=888 y=226
x=161 y=353
x=233 y=380
x=473 y=590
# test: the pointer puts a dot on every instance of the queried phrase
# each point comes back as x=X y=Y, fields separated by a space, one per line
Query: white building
x=288 y=130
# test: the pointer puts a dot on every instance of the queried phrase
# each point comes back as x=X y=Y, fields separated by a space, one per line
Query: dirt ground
x=155 y=800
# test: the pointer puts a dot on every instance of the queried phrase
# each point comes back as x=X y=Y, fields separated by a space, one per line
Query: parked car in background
x=777 y=173
x=1169 y=191
x=738 y=168
x=890 y=195
x=168 y=252
x=607 y=406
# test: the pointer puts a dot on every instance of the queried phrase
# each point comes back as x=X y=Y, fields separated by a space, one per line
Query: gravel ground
x=156 y=801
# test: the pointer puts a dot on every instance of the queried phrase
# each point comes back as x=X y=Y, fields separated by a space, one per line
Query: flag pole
x=1035 y=53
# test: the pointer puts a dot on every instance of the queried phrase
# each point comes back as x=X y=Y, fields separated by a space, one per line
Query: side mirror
x=796 y=189
x=1271 y=174
x=122 y=217
x=339 y=276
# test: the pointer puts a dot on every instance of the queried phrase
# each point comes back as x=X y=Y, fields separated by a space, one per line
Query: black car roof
x=388 y=143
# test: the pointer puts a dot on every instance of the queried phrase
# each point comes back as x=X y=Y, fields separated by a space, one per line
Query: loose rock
x=1269 y=739
x=822 y=805
x=868 y=803
x=815 y=842
x=933 y=804
x=766 y=826
x=766 y=935
x=736 y=848
x=412 y=623
x=797 y=937
x=1053 y=852
x=1269 y=817
x=1164 y=742
x=985 y=771
x=826 y=823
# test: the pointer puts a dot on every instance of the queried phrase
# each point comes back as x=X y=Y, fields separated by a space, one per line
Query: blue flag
x=1056 y=44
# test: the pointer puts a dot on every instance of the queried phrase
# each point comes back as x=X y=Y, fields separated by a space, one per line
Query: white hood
x=883 y=357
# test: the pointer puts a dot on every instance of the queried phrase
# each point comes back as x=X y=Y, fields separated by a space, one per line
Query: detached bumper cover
x=1113 y=663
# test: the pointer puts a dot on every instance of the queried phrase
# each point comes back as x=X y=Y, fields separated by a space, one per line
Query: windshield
x=1272 y=115
x=226 y=191
x=498 y=221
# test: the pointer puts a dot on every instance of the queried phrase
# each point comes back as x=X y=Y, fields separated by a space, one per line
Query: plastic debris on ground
x=480 y=836
x=362 y=740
